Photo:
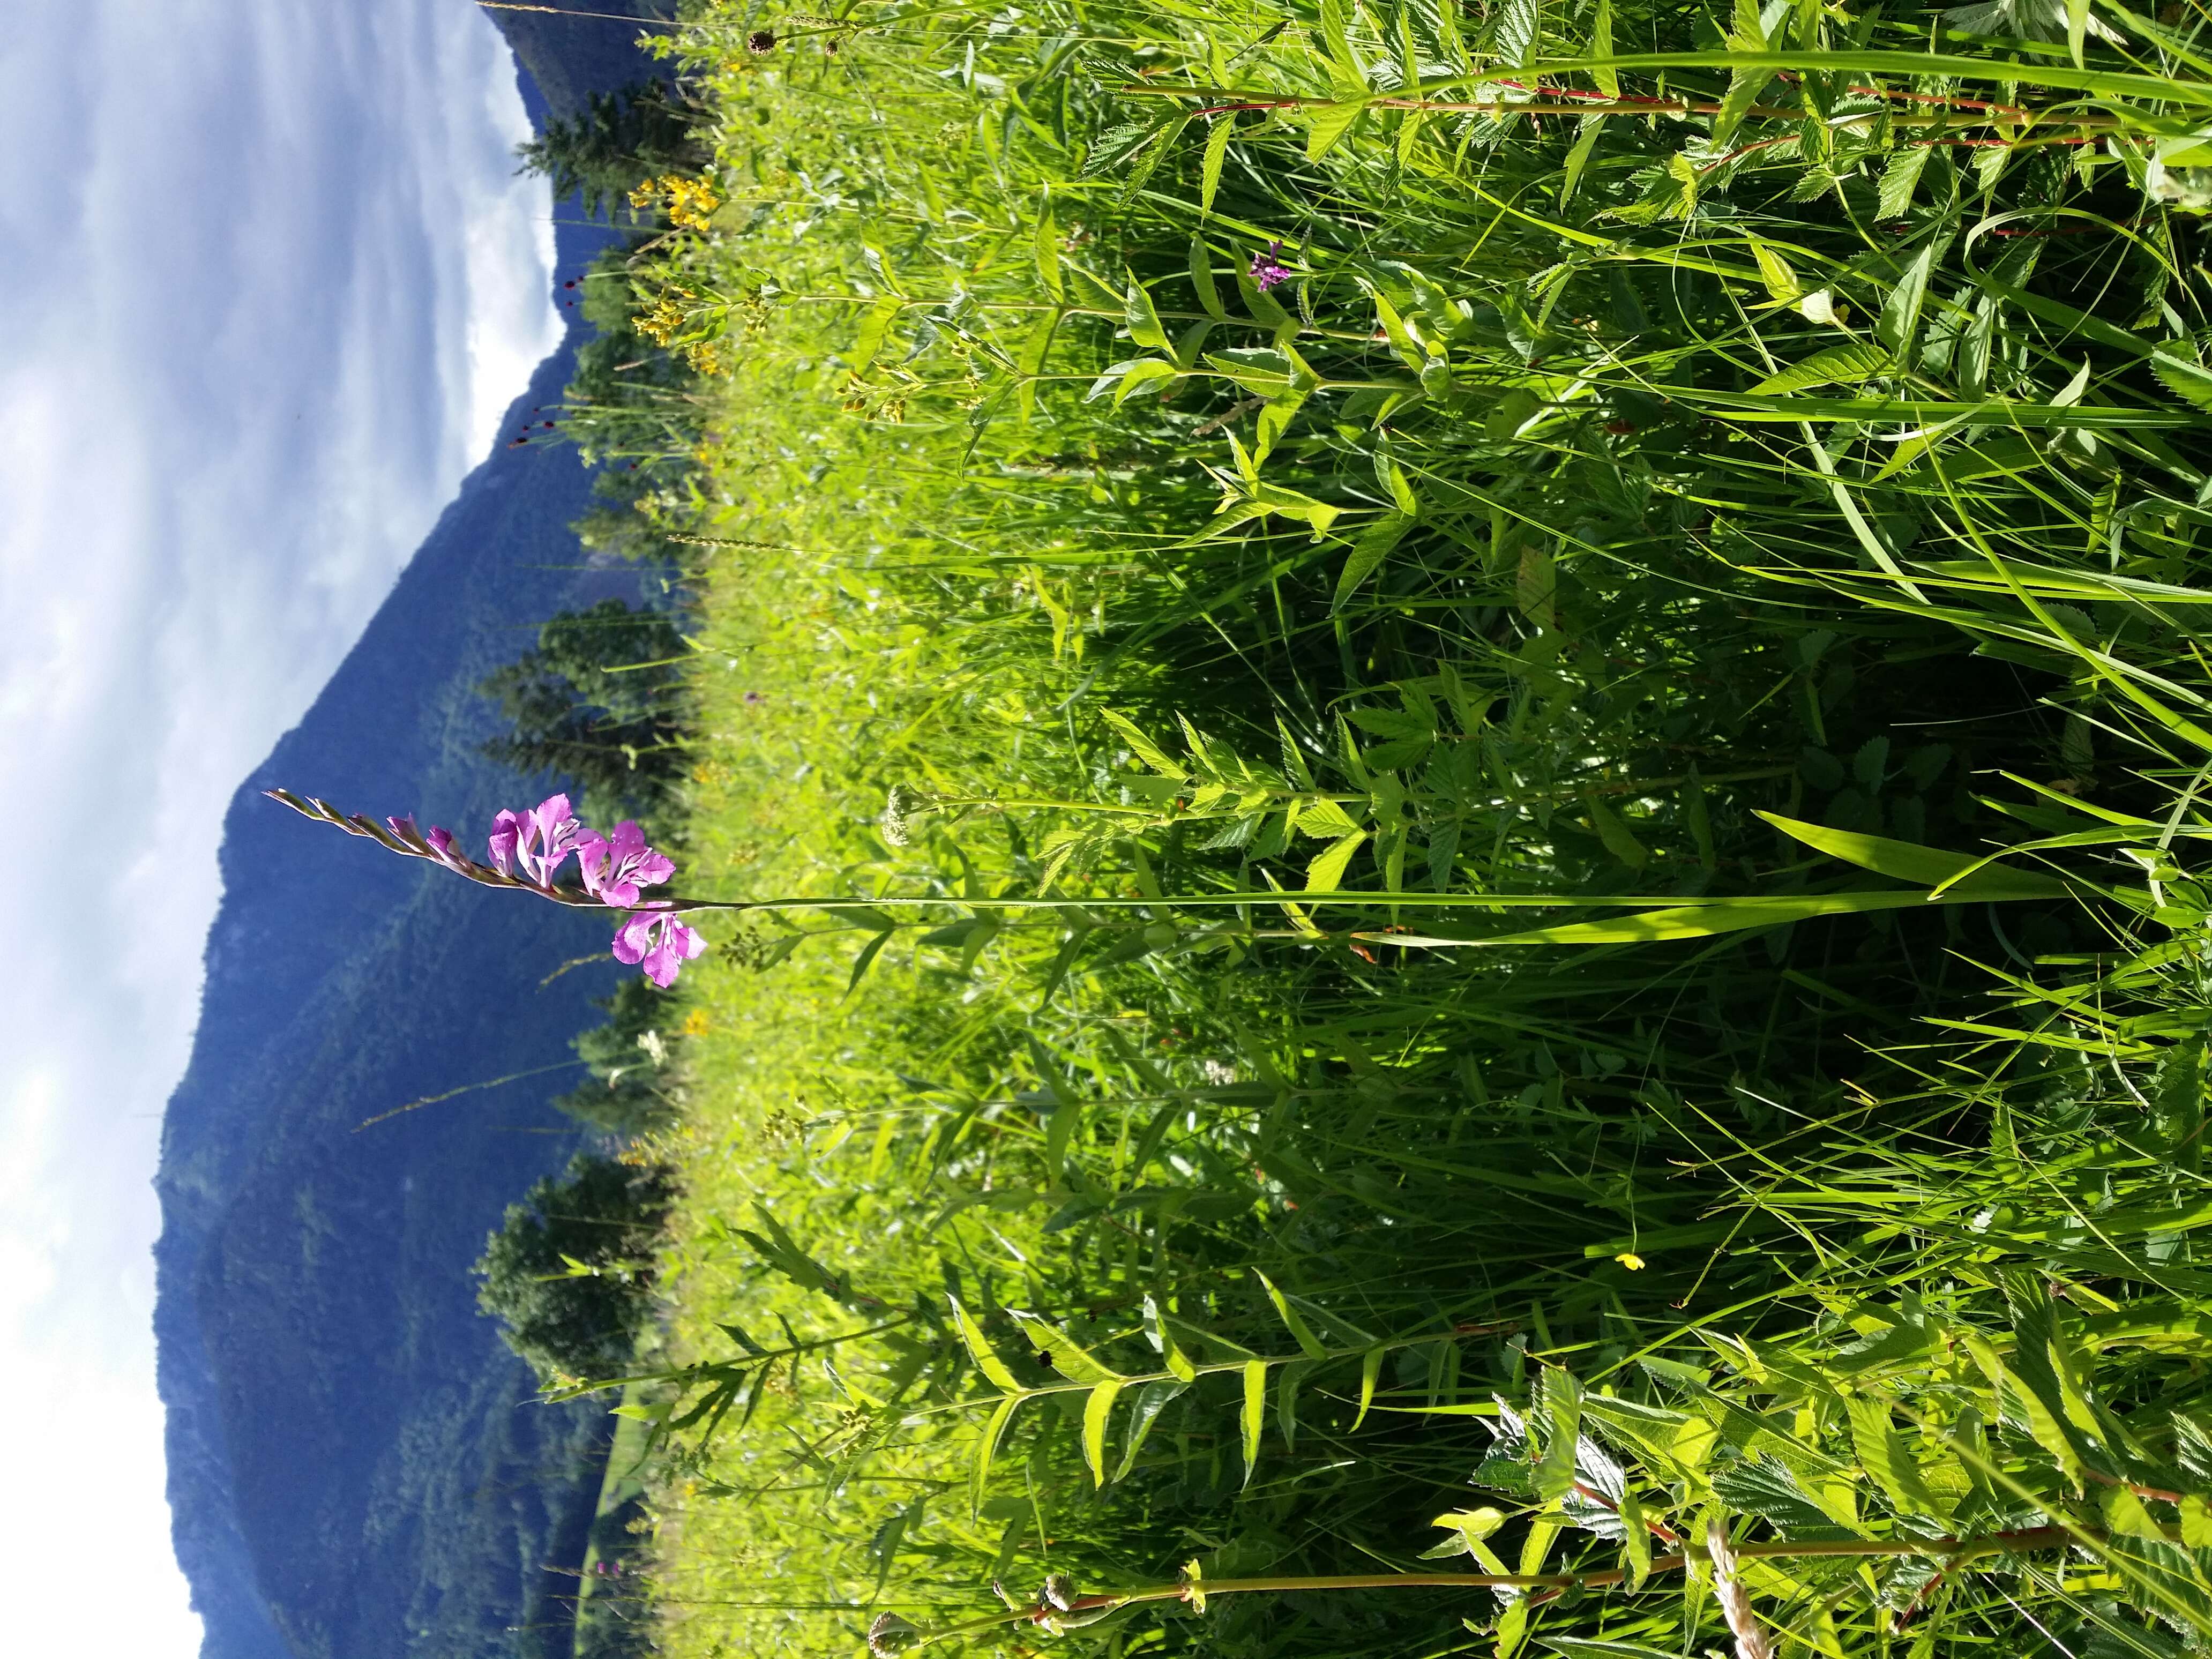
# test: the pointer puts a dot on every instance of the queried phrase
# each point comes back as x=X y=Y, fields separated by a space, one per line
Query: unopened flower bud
x=891 y=1634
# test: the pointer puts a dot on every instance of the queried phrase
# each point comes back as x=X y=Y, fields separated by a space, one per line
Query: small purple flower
x=616 y=867
x=1265 y=272
x=537 y=842
x=657 y=940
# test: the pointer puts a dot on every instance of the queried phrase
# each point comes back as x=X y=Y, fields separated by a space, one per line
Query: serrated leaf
x=1883 y=1454
x=1046 y=243
x=1635 y=1543
x=1253 y=1416
x=1142 y=746
x=1098 y=1413
x=1608 y=80
x=2183 y=376
x=1616 y=836
x=2195 y=1522
x=1326 y=873
x=1217 y=151
x=979 y=1347
x=1844 y=364
x=1328 y=123
x=1900 y=178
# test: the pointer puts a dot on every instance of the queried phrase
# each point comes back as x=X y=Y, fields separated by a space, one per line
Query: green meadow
x=1476 y=742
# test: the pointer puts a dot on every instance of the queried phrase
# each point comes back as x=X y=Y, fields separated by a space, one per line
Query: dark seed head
x=760 y=42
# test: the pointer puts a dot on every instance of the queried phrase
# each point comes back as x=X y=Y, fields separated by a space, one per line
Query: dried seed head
x=760 y=42
x=891 y=1634
x=1751 y=1641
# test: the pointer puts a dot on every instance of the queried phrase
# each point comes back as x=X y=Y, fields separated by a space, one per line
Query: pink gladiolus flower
x=660 y=942
x=616 y=867
x=537 y=842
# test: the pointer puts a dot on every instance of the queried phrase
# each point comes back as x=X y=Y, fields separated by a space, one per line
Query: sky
x=268 y=282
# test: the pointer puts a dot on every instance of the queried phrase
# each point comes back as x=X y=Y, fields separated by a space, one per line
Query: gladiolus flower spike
x=527 y=850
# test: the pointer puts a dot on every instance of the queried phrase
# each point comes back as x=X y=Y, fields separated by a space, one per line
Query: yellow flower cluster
x=688 y=203
x=666 y=320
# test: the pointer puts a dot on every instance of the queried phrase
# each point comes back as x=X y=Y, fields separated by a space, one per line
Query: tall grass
x=1613 y=762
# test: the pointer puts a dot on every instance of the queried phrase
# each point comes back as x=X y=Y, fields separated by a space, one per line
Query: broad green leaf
x=1616 y=836
x=875 y=327
x=2197 y=1521
x=1152 y=1399
x=1883 y=1454
x=1202 y=279
x=1143 y=320
x=1849 y=364
x=2126 y=1516
x=1097 y=1412
x=1255 y=1414
x=1064 y=1355
x=2077 y=28
x=1559 y=1410
x=1636 y=1542
x=1293 y=1321
x=1900 y=322
x=979 y=1347
x=1899 y=179
x=1326 y=873
x=1374 y=545
x=2025 y=1404
x=1472 y=1525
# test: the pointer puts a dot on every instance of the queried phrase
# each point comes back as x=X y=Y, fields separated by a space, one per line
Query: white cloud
x=270 y=284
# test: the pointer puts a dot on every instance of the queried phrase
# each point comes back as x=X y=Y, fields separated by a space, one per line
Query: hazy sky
x=268 y=282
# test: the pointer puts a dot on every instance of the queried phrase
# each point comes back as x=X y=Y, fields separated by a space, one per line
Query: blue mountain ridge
x=356 y=1465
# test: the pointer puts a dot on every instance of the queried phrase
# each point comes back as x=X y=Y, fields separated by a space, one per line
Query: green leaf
x=1559 y=1409
x=1615 y=835
x=1929 y=866
x=1152 y=1399
x=1578 y=157
x=987 y=1447
x=2077 y=27
x=1708 y=921
x=1201 y=278
x=1143 y=320
x=1293 y=1321
x=2195 y=1522
x=1217 y=151
x=1371 y=1370
x=1142 y=746
x=1900 y=322
x=1847 y=364
x=1601 y=46
x=1064 y=1355
x=1899 y=179
x=865 y=960
x=1635 y=1541
x=1046 y=242
x=875 y=327
x=1374 y=545
x=1326 y=873
x=1883 y=1454
x=1097 y=1412
x=2184 y=377
x=979 y=1347
x=1255 y=1414
x=1326 y=125
x=1162 y=1340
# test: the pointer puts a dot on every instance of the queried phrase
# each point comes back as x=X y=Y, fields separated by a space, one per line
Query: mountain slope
x=356 y=1465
